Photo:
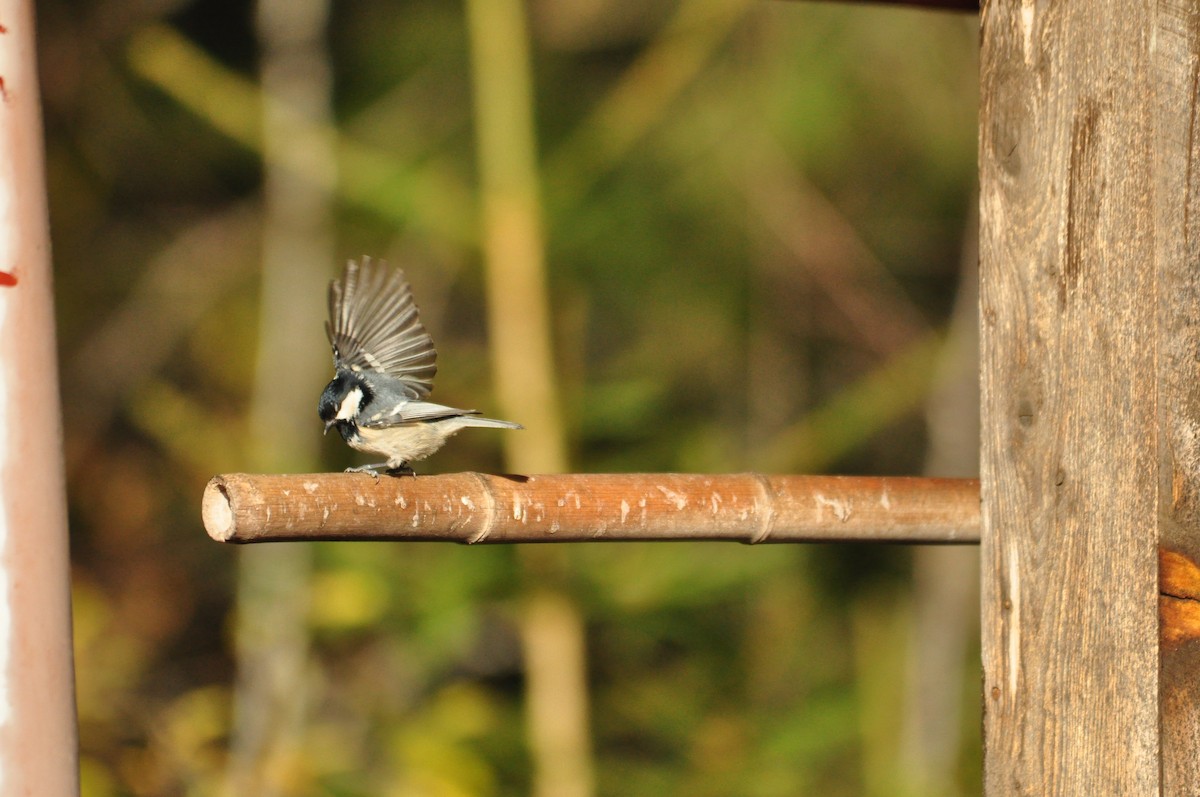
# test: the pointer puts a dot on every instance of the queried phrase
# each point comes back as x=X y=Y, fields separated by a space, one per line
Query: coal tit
x=384 y=363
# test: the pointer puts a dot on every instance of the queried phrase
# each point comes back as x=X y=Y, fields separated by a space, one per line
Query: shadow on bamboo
x=482 y=508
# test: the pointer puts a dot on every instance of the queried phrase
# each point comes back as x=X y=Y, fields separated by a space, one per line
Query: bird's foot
x=370 y=470
x=382 y=467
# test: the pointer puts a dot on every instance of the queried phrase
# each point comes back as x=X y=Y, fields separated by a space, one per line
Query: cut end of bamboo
x=217 y=511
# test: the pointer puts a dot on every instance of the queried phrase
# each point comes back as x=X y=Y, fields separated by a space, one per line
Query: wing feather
x=374 y=326
x=408 y=412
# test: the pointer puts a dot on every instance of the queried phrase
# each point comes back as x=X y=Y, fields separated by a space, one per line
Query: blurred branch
x=272 y=693
x=177 y=287
x=952 y=412
x=641 y=98
x=185 y=427
x=512 y=238
x=860 y=410
x=411 y=117
x=481 y=508
x=228 y=102
x=878 y=623
x=830 y=251
x=426 y=197
x=946 y=583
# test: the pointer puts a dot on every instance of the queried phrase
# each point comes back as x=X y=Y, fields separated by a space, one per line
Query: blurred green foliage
x=694 y=333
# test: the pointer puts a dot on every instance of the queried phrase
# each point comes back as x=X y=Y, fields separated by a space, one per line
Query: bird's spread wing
x=409 y=411
x=374 y=327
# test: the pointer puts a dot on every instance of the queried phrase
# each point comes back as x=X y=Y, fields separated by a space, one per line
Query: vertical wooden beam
x=1070 y=464
x=1176 y=72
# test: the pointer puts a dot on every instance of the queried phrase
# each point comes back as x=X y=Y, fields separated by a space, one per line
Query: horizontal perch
x=475 y=507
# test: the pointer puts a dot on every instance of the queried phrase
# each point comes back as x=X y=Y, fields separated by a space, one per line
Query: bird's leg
x=372 y=470
x=383 y=467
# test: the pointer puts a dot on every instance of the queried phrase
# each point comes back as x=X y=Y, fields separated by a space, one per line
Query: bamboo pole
x=481 y=508
x=38 y=738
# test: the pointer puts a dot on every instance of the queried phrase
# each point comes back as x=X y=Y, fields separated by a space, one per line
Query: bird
x=384 y=363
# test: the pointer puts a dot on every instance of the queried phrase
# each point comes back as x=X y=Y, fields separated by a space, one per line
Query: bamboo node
x=766 y=511
x=489 y=509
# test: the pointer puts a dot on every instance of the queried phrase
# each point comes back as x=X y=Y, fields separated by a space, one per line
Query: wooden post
x=1175 y=70
x=1079 y=182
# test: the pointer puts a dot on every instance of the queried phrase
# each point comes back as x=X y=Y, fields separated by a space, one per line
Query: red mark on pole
x=3 y=91
x=7 y=279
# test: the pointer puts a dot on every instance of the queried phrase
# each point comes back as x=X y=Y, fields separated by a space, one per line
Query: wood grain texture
x=1070 y=467
x=1176 y=72
x=479 y=508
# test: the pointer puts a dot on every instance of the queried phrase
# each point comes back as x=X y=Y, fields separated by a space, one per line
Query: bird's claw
x=370 y=470
x=375 y=469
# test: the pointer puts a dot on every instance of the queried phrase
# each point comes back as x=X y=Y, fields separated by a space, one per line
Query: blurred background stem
x=272 y=695
x=945 y=580
x=519 y=324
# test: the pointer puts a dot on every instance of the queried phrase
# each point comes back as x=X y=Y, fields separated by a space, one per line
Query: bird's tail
x=479 y=420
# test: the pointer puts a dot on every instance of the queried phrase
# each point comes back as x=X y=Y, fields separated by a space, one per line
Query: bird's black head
x=342 y=399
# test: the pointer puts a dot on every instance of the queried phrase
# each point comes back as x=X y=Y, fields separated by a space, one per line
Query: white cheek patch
x=349 y=406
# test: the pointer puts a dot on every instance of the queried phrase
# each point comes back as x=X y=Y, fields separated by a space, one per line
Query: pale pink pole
x=38 y=738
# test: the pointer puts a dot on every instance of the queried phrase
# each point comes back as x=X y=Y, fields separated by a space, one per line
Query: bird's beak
x=329 y=424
